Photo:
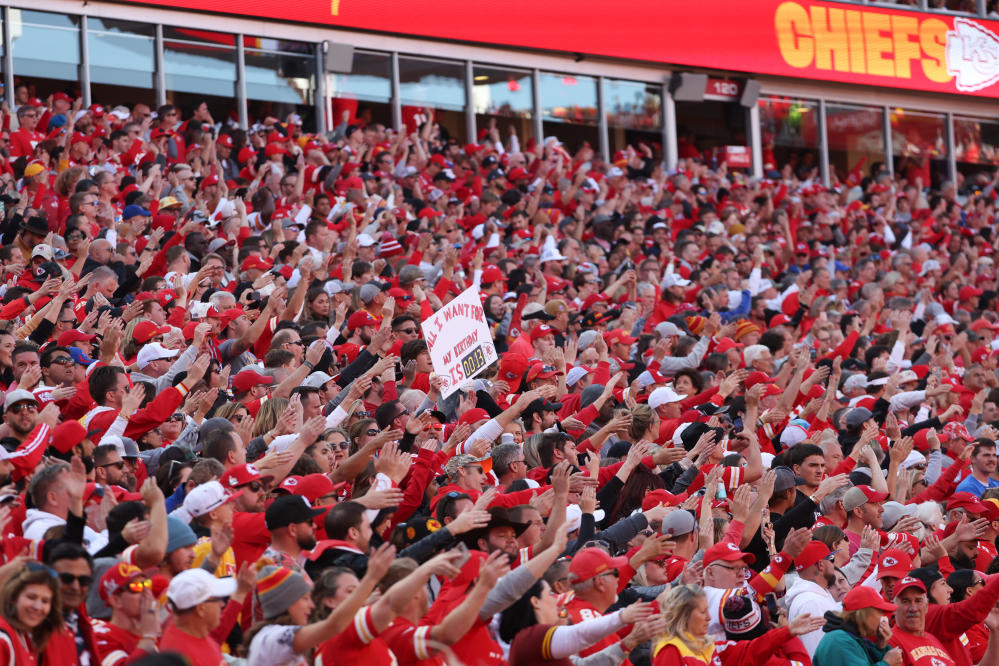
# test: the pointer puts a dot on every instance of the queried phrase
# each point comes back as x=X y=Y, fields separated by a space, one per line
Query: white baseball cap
x=675 y=280
x=574 y=516
x=316 y=379
x=154 y=351
x=365 y=240
x=574 y=375
x=196 y=586
x=207 y=497
x=663 y=395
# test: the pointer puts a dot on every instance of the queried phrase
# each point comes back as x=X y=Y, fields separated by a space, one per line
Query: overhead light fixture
x=482 y=77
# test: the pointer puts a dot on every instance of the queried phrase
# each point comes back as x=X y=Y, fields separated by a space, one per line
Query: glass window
x=122 y=61
x=366 y=93
x=569 y=109
x=46 y=50
x=976 y=143
x=634 y=115
x=856 y=137
x=436 y=85
x=919 y=145
x=280 y=80
x=200 y=66
x=789 y=132
x=505 y=97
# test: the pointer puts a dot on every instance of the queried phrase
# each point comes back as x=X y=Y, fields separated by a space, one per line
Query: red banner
x=801 y=38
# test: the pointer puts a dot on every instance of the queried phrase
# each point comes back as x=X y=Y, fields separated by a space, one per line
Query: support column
x=539 y=127
x=241 y=106
x=470 y=128
x=160 y=68
x=755 y=139
x=396 y=101
x=602 y=130
x=670 y=150
x=84 y=63
x=823 y=144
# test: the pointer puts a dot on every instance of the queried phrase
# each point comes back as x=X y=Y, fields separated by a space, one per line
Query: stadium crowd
x=733 y=420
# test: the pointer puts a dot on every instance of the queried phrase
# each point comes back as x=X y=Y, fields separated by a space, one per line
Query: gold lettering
x=878 y=44
x=904 y=29
x=794 y=35
x=831 y=45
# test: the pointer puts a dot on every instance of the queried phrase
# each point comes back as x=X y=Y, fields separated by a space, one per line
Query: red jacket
x=949 y=622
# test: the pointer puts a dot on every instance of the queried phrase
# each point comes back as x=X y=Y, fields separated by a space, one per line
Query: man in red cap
x=909 y=634
x=810 y=593
x=726 y=572
x=131 y=632
x=619 y=343
x=863 y=506
x=250 y=389
x=595 y=578
x=250 y=534
x=893 y=565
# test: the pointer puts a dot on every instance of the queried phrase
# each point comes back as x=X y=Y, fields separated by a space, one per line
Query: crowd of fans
x=733 y=420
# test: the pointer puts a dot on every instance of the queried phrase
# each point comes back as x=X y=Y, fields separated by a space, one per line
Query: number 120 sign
x=460 y=342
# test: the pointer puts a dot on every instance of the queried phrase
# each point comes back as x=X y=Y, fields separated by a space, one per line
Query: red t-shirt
x=581 y=611
x=531 y=647
x=23 y=142
x=923 y=650
x=198 y=651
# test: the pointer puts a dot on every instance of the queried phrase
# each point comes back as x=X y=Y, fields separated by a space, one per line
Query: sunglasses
x=407 y=331
x=62 y=360
x=140 y=585
x=339 y=446
x=23 y=406
x=67 y=578
x=176 y=417
x=253 y=486
x=117 y=465
x=372 y=432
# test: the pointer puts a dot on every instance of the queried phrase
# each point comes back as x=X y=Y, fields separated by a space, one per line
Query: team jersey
x=114 y=644
x=923 y=650
x=409 y=643
x=357 y=644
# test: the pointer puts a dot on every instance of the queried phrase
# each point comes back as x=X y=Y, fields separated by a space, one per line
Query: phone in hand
x=771 y=601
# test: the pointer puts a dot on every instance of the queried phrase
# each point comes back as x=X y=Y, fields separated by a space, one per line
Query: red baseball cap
x=866 y=597
x=312 y=487
x=246 y=154
x=247 y=379
x=166 y=297
x=966 y=501
x=492 y=274
x=67 y=434
x=968 y=292
x=359 y=319
x=224 y=140
x=118 y=576
x=256 y=262
x=727 y=343
x=274 y=149
x=660 y=497
x=145 y=331
x=757 y=377
x=894 y=563
x=727 y=552
x=473 y=415
x=814 y=552
x=907 y=583
x=539 y=371
x=512 y=368
x=591 y=562
x=541 y=331
x=73 y=335
x=240 y=475
x=619 y=335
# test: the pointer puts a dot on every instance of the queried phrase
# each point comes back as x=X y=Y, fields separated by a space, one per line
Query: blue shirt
x=974 y=486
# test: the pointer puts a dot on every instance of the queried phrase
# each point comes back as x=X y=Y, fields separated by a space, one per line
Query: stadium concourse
x=375 y=397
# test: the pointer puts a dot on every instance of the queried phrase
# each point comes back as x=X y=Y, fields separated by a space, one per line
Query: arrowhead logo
x=972 y=54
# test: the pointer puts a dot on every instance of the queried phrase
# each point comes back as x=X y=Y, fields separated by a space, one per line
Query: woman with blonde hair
x=30 y=614
x=859 y=635
x=685 y=641
x=268 y=414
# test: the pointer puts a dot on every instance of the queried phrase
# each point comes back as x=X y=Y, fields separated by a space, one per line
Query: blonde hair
x=857 y=617
x=267 y=415
x=676 y=604
x=642 y=418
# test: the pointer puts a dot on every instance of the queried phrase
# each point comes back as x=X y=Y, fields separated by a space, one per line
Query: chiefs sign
x=812 y=39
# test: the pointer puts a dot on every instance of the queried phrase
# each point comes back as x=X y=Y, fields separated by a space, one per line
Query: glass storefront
x=46 y=51
x=122 y=61
x=919 y=145
x=200 y=66
x=366 y=93
x=505 y=97
x=976 y=144
x=280 y=80
x=634 y=115
x=856 y=137
x=789 y=132
x=569 y=110
x=435 y=86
